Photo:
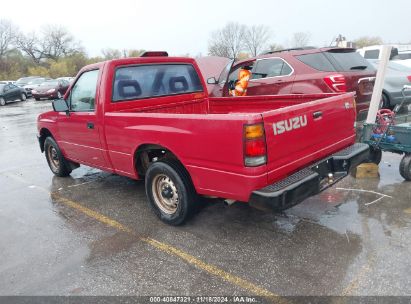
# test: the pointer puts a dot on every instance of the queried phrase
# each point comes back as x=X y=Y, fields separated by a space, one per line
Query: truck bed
x=206 y=135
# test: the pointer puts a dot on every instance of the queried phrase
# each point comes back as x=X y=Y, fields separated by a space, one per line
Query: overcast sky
x=183 y=26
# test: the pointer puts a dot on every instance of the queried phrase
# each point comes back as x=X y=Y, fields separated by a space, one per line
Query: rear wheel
x=37 y=99
x=2 y=101
x=405 y=167
x=57 y=162
x=375 y=156
x=170 y=191
x=385 y=102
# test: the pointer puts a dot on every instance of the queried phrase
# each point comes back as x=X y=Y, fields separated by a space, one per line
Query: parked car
x=34 y=83
x=152 y=118
x=51 y=89
x=304 y=71
x=396 y=77
x=11 y=92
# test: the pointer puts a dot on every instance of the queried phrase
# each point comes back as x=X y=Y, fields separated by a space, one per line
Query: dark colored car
x=304 y=71
x=51 y=89
x=11 y=92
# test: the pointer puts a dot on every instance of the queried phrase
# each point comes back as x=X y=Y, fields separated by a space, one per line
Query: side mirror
x=212 y=80
x=60 y=105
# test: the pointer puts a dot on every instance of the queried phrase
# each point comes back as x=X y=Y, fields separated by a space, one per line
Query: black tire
x=37 y=99
x=2 y=101
x=23 y=97
x=55 y=159
x=385 y=102
x=375 y=156
x=180 y=188
x=405 y=167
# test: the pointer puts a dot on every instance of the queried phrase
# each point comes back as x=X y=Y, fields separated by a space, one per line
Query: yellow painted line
x=213 y=270
x=408 y=210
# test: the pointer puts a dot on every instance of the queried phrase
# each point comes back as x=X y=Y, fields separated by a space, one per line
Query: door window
x=82 y=96
x=271 y=68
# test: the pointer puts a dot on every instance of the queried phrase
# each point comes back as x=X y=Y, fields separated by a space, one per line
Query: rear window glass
x=372 y=54
x=145 y=81
x=348 y=61
x=317 y=61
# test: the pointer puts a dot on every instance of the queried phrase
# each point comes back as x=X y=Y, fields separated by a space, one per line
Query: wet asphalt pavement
x=94 y=234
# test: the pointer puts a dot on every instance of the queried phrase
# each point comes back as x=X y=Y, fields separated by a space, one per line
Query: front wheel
x=2 y=101
x=57 y=162
x=405 y=167
x=59 y=96
x=23 y=97
x=170 y=192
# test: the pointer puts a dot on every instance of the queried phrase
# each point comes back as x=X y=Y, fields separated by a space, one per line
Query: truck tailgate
x=301 y=134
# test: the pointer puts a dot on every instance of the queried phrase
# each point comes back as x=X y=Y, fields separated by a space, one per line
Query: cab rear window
x=145 y=81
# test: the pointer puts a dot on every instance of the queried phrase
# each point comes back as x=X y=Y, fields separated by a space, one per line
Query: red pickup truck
x=150 y=117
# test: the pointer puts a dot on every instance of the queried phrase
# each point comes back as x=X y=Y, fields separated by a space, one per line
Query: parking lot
x=94 y=234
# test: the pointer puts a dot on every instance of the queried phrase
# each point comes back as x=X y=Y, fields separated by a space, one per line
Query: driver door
x=79 y=131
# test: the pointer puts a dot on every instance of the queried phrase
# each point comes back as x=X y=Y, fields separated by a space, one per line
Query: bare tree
x=57 y=42
x=109 y=53
x=275 y=47
x=256 y=39
x=8 y=33
x=300 y=39
x=367 y=41
x=29 y=44
x=227 y=42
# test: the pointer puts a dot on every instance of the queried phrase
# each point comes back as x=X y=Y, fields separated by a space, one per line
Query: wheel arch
x=43 y=134
x=147 y=153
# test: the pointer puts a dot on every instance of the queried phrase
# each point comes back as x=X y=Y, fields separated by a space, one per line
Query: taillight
x=255 y=148
x=336 y=82
x=409 y=78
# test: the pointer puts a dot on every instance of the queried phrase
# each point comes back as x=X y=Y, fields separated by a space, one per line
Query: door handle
x=317 y=114
x=90 y=125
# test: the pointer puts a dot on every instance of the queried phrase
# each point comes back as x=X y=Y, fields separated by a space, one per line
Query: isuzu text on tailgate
x=151 y=118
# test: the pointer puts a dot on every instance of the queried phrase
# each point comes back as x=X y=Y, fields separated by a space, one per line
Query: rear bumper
x=310 y=180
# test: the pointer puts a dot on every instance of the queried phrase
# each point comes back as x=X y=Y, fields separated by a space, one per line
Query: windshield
x=22 y=81
x=49 y=83
x=36 y=81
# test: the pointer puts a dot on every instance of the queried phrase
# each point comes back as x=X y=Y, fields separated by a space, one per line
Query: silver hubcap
x=23 y=97
x=2 y=102
x=59 y=95
x=165 y=194
x=53 y=157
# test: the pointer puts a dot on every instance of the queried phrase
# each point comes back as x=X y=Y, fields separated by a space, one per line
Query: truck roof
x=138 y=60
